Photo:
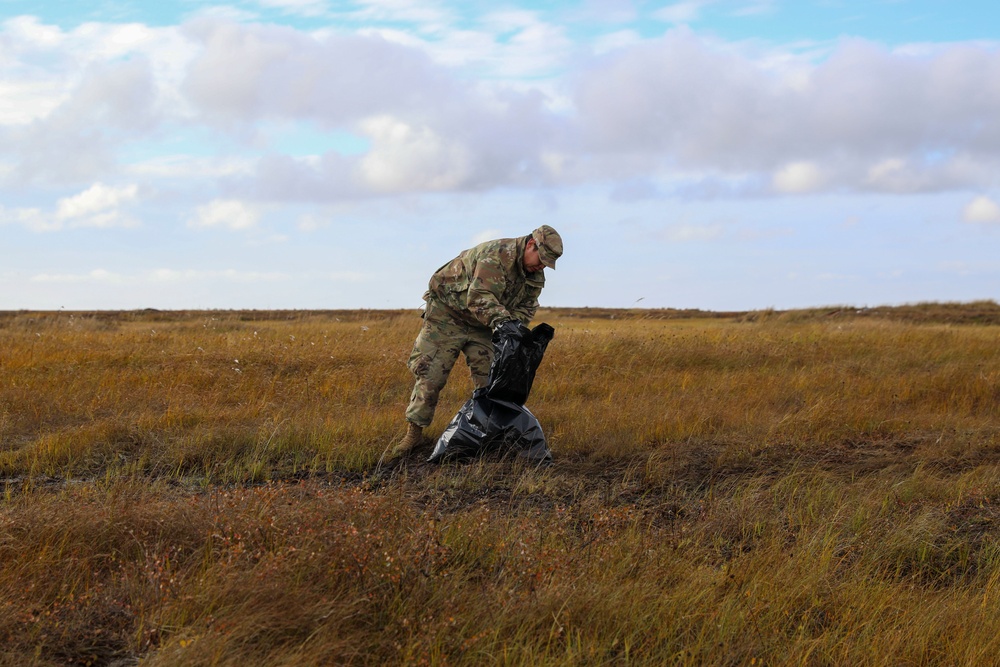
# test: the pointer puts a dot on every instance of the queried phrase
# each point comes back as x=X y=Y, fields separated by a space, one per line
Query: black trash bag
x=485 y=425
x=495 y=418
x=517 y=352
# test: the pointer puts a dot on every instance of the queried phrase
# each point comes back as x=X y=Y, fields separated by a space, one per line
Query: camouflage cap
x=549 y=245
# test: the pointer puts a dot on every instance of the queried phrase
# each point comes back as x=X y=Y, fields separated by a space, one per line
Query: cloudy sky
x=716 y=154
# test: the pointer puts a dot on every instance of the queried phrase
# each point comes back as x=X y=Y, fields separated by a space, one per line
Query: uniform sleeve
x=485 y=288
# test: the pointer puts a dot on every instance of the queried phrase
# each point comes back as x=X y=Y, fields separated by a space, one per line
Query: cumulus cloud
x=529 y=46
x=282 y=178
x=85 y=93
x=180 y=167
x=798 y=178
x=865 y=114
x=97 y=206
x=887 y=173
x=310 y=222
x=298 y=7
x=617 y=40
x=77 y=140
x=228 y=213
x=681 y=12
x=426 y=15
x=404 y=157
x=22 y=101
x=684 y=110
x=430 y=129
x=247 y=72
x=690 y=11
x=31 y=218
x=981 y=209
x=862 y=117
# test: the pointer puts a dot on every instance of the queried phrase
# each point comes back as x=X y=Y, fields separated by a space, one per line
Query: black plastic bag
x=485 y=425
x=495 y=418
x=517 y=352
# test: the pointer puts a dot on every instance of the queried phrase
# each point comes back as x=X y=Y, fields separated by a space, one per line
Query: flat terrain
x=209 y=488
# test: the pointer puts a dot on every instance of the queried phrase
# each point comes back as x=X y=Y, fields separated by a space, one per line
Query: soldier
x=468 y=298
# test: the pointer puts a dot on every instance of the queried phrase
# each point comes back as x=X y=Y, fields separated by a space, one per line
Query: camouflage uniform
x=467 y=298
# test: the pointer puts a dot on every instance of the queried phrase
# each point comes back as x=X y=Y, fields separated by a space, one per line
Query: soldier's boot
x=413 y=437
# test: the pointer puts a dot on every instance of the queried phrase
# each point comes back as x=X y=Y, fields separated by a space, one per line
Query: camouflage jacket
x=487 y=284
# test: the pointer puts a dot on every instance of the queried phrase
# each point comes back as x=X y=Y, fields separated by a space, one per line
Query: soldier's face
x=531 y=261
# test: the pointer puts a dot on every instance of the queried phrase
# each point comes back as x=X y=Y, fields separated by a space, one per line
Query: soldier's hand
x=512 y=328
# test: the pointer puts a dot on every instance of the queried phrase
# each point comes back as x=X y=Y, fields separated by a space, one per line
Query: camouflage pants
x=441 y=339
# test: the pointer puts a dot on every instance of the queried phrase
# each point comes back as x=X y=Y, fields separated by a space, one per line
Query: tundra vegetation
x=813 y=487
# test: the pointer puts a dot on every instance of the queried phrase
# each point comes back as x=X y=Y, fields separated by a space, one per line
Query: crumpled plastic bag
x=486 y=425
x=517 y=352
x=495 y=418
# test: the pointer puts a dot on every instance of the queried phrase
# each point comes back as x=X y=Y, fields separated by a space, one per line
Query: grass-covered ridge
x=807 y=487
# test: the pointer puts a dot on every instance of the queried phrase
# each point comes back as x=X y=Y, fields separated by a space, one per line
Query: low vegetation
x=813 y=487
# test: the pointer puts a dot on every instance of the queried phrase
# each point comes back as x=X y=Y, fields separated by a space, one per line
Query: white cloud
x=249 y=72
x=514 y=110
x=229 y=213
x=297 y=7
x=797 y=178
x=522 y=45
x=77 y=140
x=44 y=66
x=681 y=12
x=224 y=13
x=108 y=41
x=95 y=276
x=310 y=222
x=689 y=11
x=31 y=218
x=406 y=157
x=23 y=101
x=555 y=163
x=514 y=47
x=857 y=116
x=886 y=171
x=21 y=30
x=97 y=206
x=616 y=40
x=925 y=121
x=981 y=209
x=183 y=167
x=428 y=16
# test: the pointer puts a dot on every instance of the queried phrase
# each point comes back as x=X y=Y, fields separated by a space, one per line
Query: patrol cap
x=549 y=245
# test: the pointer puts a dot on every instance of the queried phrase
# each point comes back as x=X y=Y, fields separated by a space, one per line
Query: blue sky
x=717 y=154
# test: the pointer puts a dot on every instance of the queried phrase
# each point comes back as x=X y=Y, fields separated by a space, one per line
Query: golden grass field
x=770 y=488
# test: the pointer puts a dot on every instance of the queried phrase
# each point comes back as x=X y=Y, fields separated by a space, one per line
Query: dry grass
x=766 y=488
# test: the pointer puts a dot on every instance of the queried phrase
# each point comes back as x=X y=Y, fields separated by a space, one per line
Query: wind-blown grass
x=778 y=488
